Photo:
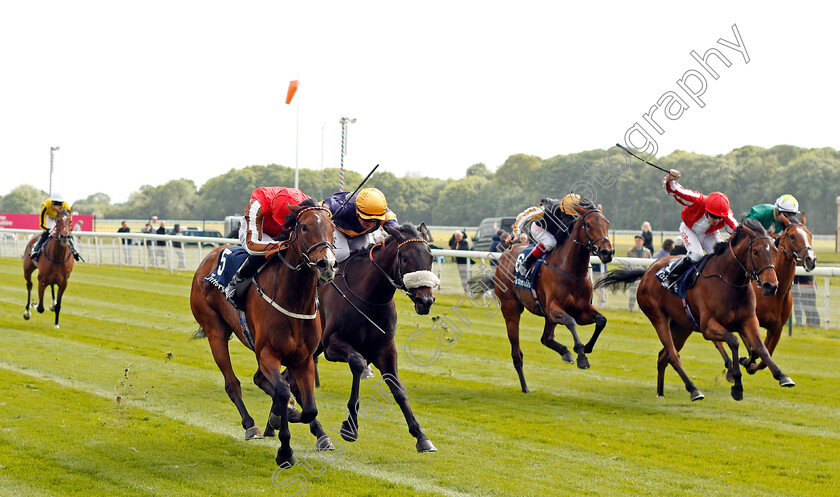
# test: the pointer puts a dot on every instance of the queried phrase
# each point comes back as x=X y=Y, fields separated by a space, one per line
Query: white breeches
x=696 y=244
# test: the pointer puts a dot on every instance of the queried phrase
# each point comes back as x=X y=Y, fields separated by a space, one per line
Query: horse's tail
x=199 y=334
x=481 y=284
x=621 y=278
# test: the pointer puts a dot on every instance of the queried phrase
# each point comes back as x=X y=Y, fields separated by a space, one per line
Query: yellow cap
x=371 y=204
x=570 y=200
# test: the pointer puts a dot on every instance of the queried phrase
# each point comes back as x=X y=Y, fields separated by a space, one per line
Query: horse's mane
x=291 y=218
x=740 y=234
x=407 y=229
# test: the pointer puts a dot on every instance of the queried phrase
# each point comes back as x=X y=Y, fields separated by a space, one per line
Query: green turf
x=120 y=401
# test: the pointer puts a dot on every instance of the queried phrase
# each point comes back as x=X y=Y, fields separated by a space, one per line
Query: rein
x=593 y=246
x=751 y=275
x=47 y=255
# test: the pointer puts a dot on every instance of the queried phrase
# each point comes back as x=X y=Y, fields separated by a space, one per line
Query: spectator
x=679 y=249
x=523 y=238
x=598 y=272
x=647 y=236
x=176 y=245
x=160 y=252
x=126 y=242
x=805 y=301
x=458 y=242
x=641 y=252
x=494 y=245
x=665 y=251
x=150 y=244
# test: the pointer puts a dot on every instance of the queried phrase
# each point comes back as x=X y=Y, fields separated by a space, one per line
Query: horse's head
x=592 y=227
x=795 y=241
x=63 y=227
x=414 y=266
x=313 y=237
x=758 y=251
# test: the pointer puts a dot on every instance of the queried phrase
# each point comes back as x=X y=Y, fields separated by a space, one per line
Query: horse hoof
x=285 y=462
x=696 y=395
x=425 y=446
x=730 y=378
x=294 y=415
x=785 y=381
x=52 y=307
x=347 y=433
x=26 y=315
x=40 y=309
x=567 y=357
x=253 y=433
x=56 y=326
x=738 y=393
x=582 y=362
x=324 y=443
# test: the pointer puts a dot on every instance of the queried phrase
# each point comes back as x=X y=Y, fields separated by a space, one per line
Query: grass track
x=119 y=401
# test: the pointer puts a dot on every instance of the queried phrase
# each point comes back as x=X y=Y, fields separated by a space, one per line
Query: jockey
x=357 y=219
x=768 y=214
x=263 y=228
x=49 y=212
x=551 y=218
x=702 y=219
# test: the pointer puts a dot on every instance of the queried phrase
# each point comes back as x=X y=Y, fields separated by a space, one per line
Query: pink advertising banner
x=81 y=222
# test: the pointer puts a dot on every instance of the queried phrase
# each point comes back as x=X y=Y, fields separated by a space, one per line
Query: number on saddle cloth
x=230 y=259
x=518 y=280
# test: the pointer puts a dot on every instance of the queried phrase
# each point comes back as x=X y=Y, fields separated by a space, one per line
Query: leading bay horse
x=360 y=317
x=719 y=305
x=54 y=265
x=563 y=288
x=773 y=312
x=281 y=313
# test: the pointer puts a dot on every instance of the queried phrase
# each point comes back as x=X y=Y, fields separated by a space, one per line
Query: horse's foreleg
x=600 y=323
x=712 y=330
x=279 y=417
x=387 y=365
x=41 y=287
x=556 y=315
x=57 y=305
x=753 y=338
x=52 y=295
x=341 y=351
x=304 y=378
x=774 y=334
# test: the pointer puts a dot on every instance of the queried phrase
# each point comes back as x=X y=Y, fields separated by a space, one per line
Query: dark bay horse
x=360 y=325
x=721 y=303
x=773 y=312
x=563 y=287
x=54 y=265
x=281 y=313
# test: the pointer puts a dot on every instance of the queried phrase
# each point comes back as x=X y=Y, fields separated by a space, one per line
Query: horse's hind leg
x=52 y=295
x=673 y=337
x=387 y=365
x=340 y=351
x=600 y=323
x=559 y=316
x=512 y=315
x=28 y=276
x=221 y=354
x=727 y=361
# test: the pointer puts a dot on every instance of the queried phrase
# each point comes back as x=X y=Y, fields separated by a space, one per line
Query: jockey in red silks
x=703 y=218
x=264 y=227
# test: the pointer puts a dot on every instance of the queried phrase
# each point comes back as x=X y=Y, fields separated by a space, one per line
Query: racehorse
x=719 y=304
x=563 y=288
x=360 y=318
x=54 y=265
x=281 y=312
x=773 y=312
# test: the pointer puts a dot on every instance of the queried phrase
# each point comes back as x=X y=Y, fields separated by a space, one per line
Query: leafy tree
x=98 y=204
x=479 y=169
x=24 y=199
x=519 y=170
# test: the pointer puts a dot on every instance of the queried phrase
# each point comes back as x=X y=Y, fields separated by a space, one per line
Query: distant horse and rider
x=280 y=320
x=54 y=263
x=558 y=287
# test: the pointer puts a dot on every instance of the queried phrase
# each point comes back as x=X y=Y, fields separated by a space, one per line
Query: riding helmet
x=717 y=204
x=787 y=204
x=371 y=204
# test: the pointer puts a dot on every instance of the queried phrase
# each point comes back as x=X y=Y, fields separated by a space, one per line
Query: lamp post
x=344 y=126
x=53 y=150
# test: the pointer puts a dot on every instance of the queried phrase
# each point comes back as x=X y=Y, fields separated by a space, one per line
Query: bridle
x=298 y=243
x=751 y=275
x=593 y=246
x=790 y=253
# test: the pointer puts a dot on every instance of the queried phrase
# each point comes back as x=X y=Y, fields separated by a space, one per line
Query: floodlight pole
x=53 y=150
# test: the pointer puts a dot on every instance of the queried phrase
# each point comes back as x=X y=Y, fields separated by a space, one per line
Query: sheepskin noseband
x=418 y=279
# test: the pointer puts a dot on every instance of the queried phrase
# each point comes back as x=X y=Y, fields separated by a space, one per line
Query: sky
x=141 y=93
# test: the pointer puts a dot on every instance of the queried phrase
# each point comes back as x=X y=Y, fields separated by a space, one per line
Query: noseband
x=417 y=279
x=790 y=253
x=753 y=275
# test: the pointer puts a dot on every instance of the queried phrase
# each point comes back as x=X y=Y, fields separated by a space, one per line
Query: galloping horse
x=773 y=312
x=281 y=312
x=54 y=266
x=563 y=288
x=360 y=318
x=719 y=305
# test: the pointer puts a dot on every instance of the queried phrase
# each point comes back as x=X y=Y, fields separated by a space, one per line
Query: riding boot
x=676 y=274
x=36 y=250
x=246 y=271
x=76 y=254
x=529 y=261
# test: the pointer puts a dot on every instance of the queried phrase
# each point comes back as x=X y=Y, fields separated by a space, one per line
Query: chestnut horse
x=54 y=265
x=721 y=303
x=360 y=317
x=794 y=244
x=281 y=312
x=563 y=287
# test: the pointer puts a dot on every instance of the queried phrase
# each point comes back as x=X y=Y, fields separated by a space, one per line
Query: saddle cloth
x=688 y=280
x=527 y=282
x=230 y=259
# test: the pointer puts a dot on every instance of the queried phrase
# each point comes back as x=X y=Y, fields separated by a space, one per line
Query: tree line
x=630 y=191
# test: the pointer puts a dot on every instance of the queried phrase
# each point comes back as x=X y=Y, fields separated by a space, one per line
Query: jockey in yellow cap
x=49 y=212
x=357 y=218
x=545 y=223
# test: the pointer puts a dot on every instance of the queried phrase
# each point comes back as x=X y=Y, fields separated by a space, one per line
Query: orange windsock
x=290 y=94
